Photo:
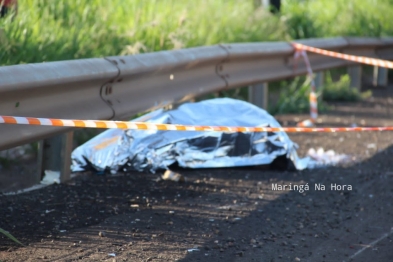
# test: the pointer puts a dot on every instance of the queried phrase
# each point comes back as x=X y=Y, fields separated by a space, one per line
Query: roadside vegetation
x=8 y=235
x=294 y=95
x=61 y=30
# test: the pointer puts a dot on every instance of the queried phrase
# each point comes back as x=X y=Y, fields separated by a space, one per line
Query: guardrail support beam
x=355 y=74
x=55 y=154
x=258 y=95
x=380 y=76
x=319 y=80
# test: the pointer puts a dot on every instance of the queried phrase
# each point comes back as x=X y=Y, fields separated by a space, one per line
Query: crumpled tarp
x=151 y=150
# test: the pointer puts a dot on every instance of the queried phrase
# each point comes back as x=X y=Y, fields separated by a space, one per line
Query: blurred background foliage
x=47 y=30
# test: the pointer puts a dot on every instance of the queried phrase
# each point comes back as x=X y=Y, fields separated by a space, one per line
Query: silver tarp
x=150 y=150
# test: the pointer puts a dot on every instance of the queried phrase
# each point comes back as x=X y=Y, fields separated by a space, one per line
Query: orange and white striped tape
x=171 y=127
x=358 y=59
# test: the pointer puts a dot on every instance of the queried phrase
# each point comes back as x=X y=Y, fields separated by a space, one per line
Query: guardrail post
x=380 y=76
x=355 y=74
x=55 y=154
x=258 y=95
x=319 y=80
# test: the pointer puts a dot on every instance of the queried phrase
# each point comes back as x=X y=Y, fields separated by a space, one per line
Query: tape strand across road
x=172 y=127
x=358 y=59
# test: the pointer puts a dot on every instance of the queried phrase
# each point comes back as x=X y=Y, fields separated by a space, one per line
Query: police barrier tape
x=358 y=59
x=173 y=127
x=301 y=51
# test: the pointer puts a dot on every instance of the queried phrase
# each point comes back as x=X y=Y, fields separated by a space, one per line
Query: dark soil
x=222 y=214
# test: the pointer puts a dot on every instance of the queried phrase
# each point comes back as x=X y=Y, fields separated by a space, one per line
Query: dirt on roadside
x=222 y=214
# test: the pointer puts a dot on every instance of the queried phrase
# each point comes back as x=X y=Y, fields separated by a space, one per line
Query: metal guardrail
x=118 y=87
x=69 y=88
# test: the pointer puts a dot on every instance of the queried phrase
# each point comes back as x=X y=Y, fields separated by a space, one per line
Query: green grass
x=294 y=95
x=7 y=234
x=6 y=162
x=60 y=30
x=326 y=18
x=342 y=91
x=294 y=98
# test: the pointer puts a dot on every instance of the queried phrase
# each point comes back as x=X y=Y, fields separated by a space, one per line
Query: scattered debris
x=192 y=250
x=372 y=145
x=321 y=157
x=51 y=177
x=229 y=208
x=176 y=177
x=306 y=123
